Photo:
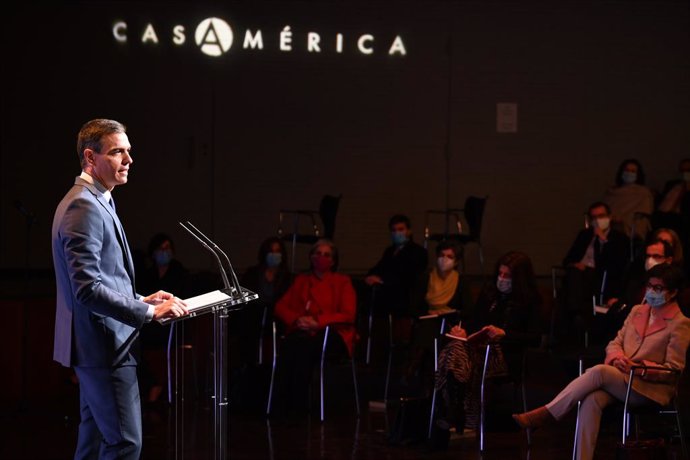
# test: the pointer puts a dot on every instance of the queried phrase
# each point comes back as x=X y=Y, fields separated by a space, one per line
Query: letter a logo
x=213 y=36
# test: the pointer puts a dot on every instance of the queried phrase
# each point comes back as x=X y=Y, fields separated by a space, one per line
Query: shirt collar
x=104 y=191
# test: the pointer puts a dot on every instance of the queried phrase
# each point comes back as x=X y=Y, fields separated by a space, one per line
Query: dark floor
x=48 y=430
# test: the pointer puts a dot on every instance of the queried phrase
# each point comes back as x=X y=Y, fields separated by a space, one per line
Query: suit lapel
x=641 y=319
x=663 y=315
x=119 y=230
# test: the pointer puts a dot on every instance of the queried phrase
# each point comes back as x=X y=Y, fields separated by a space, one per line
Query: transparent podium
x=219 y=304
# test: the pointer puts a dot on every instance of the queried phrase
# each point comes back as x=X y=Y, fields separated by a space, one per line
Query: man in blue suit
x=99 y=313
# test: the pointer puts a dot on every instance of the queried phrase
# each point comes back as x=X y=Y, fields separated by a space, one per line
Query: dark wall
x=226 y=142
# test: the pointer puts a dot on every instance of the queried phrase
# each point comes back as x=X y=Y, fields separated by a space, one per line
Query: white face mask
x=650 y=262
x=602 y=223
x=444 y=264
x=629 y=177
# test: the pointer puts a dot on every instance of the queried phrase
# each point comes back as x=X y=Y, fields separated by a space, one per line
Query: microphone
x=235 y=281
x=226 y=283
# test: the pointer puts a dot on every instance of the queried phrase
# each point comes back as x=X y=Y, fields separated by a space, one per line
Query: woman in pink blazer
x=655 y=333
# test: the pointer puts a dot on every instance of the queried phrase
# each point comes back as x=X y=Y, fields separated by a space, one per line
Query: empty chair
x=322 y=223
x=467 y=222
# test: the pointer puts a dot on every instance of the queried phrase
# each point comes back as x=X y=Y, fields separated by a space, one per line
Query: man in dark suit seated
x=98 y=313
x=401 y=264
x=594 y=266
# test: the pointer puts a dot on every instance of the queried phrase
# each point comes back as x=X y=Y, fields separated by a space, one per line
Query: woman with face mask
x=315 y=300
x=439 y=293
x=628 y=197
x=507 y=315
x=269 y=278
x=655 y=333
x=162 y=272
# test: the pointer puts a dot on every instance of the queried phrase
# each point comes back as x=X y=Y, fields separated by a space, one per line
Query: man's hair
x=668 y=249
x=92 y=133
x=598 y=204
x=399 y=219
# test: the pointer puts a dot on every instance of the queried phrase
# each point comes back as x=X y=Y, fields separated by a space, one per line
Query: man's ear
x=88 y=156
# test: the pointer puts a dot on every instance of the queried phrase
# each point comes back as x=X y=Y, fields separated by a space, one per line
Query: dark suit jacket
x=98 y=312
x=399 y=272
x=612 y=258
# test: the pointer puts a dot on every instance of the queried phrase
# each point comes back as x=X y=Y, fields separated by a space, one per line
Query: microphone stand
x=238 y=296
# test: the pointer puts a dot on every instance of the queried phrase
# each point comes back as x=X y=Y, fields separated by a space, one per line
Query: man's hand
x=157 y=297
x=372 y=280
x=173 y=307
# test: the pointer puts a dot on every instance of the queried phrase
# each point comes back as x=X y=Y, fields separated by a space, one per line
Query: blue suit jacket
x=98 y=313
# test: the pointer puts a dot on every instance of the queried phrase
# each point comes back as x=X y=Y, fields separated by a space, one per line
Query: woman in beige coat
x=655 y=333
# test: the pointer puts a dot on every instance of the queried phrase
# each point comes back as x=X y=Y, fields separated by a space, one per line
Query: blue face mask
x=655 y=299
x=629 y=177
x=162 y=258
x=504 y=285
x=273 y=259
x=399 y=238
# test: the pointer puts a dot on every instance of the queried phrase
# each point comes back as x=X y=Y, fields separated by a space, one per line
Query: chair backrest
x=474 y=214
x=328 y=210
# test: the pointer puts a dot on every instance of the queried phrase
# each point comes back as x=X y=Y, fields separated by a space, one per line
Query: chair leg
x=273 y=373
x=323 y=356
x=580 y=364
x=354 y=382
x=390 y=357
x=482 y=401
x=679 y=425
x=431 y=414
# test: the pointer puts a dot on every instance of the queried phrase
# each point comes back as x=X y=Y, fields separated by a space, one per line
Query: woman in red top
x=315 y=300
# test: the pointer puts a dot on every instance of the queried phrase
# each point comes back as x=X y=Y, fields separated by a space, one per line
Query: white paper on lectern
x=203 y=300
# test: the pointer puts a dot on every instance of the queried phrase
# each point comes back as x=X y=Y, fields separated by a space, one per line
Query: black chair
x=269 y=404
x=628 y=411
x=328 y=210
x=468 y=223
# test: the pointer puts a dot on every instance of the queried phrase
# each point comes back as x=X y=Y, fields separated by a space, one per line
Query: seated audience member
x=630 y=196
x=441 y=291
x=161 y=272
x=507 y=315
x=315 y=300
x=270 y=278
x=596 y=251
x=673 y=207
x=395 y=273
x=672 y=238
x=633 y=288
x=655 y=333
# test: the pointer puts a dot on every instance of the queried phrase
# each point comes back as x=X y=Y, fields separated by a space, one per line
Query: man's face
x=654 y=255
x=598 y=213
x=111 y=165
x=401 y=227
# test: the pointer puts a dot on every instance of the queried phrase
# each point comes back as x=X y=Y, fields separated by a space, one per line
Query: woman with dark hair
x=161 y=272
x=315 y=300
x=505 y=315
x=270 y=278
x=440 y=292
x=628 y=197
x=655 y=333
